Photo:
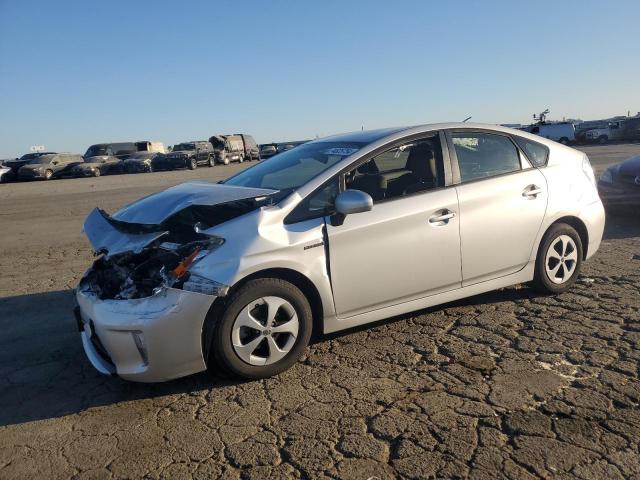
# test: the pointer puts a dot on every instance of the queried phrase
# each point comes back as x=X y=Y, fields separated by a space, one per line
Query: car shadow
x=45 y=374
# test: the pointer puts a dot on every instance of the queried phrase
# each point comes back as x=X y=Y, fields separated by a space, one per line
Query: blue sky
x=75 y=73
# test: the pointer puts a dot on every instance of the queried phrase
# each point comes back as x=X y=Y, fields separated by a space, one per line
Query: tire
x=564 y=141
x=48 y=174
x=230 y=334
x=603 y=139
x=97 y=172
x=193 y=164
x=225 y=160
x=211 y=161
x=560 y=241
x=240 y=158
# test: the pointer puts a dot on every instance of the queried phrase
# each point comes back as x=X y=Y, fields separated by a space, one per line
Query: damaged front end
x=150 y=245
x=140 y=260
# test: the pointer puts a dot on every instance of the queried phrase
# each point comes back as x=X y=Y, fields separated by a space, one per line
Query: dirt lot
x=503 y=385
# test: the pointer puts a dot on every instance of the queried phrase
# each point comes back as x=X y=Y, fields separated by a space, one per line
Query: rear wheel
x=559 y=259
x=264 y=329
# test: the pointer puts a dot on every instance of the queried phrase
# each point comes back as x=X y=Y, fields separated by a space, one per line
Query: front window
x=291 y=169
x=184 y=146
x=413 y=167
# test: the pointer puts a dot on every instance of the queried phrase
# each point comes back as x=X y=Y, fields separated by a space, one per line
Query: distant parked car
x=268 y=150
x=228 y=148
x=186 y=155
x=564 y=133
x=15 y=165
x=103 y=159
x=619 y=185
x=46 y=167
x=597 y=135
x=139 y=162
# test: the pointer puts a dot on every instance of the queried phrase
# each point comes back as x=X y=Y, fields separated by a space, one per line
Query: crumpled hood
x=157 y=207
x=141 y=223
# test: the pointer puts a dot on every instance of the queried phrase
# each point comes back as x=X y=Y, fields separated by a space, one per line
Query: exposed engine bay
x=137 y=275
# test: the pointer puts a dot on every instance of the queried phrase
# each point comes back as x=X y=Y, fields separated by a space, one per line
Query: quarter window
x=483 y=155
x=536 y=153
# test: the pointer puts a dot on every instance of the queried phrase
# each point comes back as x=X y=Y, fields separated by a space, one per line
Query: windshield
x=40 y=160
x=291 y=169
x=184 y=146
x=96 y=150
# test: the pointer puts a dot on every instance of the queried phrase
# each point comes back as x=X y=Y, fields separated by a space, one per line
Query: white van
x=560 y=132
x=146 y=146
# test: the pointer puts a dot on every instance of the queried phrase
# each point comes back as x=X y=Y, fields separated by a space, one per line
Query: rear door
x=408 y=245
x=502 y=203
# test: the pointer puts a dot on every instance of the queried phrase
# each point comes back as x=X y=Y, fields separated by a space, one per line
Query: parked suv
x=228 y=148
x=186 y=155
x=46 y=167
x=334 y=234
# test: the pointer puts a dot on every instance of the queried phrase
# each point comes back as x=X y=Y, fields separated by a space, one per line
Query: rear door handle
x=442 y=217
x=531 y=191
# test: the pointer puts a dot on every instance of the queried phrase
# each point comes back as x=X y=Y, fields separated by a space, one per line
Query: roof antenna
x=465 y=120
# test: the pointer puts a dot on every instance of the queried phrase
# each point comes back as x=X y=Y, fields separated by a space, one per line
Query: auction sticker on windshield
x=340 y=151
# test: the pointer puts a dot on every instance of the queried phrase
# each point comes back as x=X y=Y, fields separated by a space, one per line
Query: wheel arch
x=579 y=226
x=294 y=277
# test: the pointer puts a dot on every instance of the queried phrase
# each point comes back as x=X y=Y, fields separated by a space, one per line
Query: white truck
x=562 y=132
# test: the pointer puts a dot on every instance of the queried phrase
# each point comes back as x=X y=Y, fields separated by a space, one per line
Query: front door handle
x=532 y=191
x=443 y=216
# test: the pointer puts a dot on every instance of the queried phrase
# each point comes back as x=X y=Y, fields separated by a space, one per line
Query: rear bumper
x=151 y=339
x=594 y=218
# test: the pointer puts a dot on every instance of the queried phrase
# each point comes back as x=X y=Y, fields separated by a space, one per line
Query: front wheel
x=264 y=329
x=564 y=141
x=603 y=139
x=193 y=164
x=211 y=161
x=559 y=259
x=48 y=174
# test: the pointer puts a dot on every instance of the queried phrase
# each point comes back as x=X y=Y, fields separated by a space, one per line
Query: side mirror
x=350 y=202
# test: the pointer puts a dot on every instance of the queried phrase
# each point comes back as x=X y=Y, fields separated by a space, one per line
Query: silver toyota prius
x=332 y=234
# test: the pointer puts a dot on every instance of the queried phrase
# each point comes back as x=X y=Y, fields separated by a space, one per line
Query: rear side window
x=484 y=155
x=537 y=153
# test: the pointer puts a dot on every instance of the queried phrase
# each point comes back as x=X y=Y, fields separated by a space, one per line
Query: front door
x=408 y=245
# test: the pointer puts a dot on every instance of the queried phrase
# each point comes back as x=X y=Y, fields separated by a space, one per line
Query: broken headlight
x=198 y=284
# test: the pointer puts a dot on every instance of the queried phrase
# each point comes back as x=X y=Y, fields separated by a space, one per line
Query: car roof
x=384 y=135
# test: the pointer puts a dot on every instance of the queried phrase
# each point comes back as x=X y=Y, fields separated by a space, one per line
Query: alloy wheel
x=265 y=330
x=561 y=259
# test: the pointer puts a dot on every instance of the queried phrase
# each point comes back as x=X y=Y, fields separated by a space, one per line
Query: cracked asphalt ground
x=503 y=385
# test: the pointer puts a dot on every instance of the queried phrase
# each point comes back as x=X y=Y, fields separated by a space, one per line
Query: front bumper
x=151 y=339
x=85 y=172
x=137 y=168
x=619 y=194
